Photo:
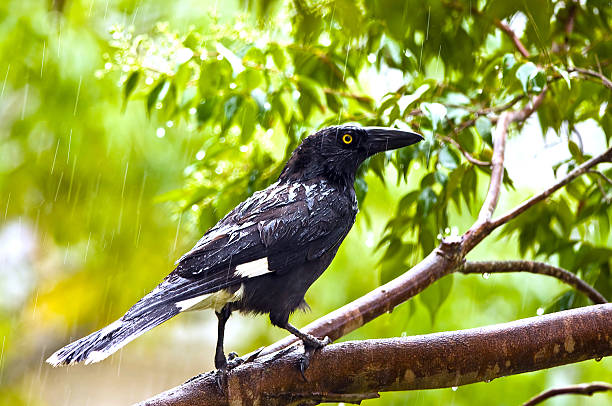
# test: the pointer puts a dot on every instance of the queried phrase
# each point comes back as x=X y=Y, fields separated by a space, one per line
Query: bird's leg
x=222 y=316
x=221 y=363
x=311 y=344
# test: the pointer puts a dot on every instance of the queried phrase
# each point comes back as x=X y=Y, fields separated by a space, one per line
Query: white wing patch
x=214 y=300
x=254 y=268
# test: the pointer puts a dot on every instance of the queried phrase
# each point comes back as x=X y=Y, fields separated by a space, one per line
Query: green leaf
x=525 y=73
x=448 y=158
x=278 y=56
x=312 y=89
x=249 y=79
x=484 y=126
x=130 y=85
x=508 y=62
x=564 y=74
x=153 y=96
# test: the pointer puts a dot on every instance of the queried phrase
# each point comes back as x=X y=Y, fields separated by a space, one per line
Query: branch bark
x=408 y=363
x=537 y=268
x=587 y=389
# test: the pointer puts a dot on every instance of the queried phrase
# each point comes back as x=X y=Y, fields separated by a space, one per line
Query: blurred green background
x=128 y=127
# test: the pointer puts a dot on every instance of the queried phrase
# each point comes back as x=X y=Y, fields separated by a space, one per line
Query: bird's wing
x=274 y=230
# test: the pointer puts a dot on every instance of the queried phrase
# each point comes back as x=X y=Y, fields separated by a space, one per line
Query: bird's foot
x=232 y=361
x=311 y=344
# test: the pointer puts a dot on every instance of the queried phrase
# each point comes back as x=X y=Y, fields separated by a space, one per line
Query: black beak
x=386 y=139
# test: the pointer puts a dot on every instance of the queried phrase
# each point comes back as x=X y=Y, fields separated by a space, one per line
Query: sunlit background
x=89 y=222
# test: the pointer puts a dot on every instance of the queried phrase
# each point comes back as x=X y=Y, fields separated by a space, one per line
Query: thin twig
x=466 y=154
x=583 y=389
x=604 y=177
x=541 y=268
x=515 y=39
x=606 y=82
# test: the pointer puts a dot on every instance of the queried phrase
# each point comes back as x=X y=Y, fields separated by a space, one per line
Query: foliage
x=210 y=105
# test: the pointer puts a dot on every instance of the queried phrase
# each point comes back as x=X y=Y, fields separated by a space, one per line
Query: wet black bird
x=263 y=255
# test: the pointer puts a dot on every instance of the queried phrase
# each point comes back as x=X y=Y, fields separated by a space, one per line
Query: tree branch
x=537 y=268
x=587 y=72
x=466 y=154
x=508 y=31
x=409 y=363
x=605 y=157
x=583 y=389
x=480 y=227
x=604 y=177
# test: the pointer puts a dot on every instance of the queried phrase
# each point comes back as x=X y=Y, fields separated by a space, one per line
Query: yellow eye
x=347 y=139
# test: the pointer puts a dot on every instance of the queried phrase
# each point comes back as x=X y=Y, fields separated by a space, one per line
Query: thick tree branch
x=587 y=389
x=537 y=268
x=408 y=363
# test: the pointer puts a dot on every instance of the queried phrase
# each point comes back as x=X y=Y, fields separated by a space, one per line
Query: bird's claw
x=310 y=346
x=221 y=379
x=232 y=361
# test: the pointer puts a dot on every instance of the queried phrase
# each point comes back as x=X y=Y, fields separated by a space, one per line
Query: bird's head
x=337 y=152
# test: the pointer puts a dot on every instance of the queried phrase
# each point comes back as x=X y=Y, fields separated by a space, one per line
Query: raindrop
x=169 y=123
x=267 y=105
x=598 y=359
x=108 y=66
x=454 y=388
x=486 y=275
x=540 y=311
x=447 y=230
x=193 y=110
x=5 y=78
x=149 y=80
x=488 y=380
x=42 y=63
x=76 y=102
x=200 y=155
x=232 y=86
x=269 y=132
x=296 y=94
x=194 y=207
x=161 y=132
x=244 y=148
x=371 y=58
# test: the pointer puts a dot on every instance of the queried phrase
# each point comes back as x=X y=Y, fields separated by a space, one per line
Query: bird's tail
x=145 y=315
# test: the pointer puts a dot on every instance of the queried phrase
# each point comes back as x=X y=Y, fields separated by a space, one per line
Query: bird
x=262 y=257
